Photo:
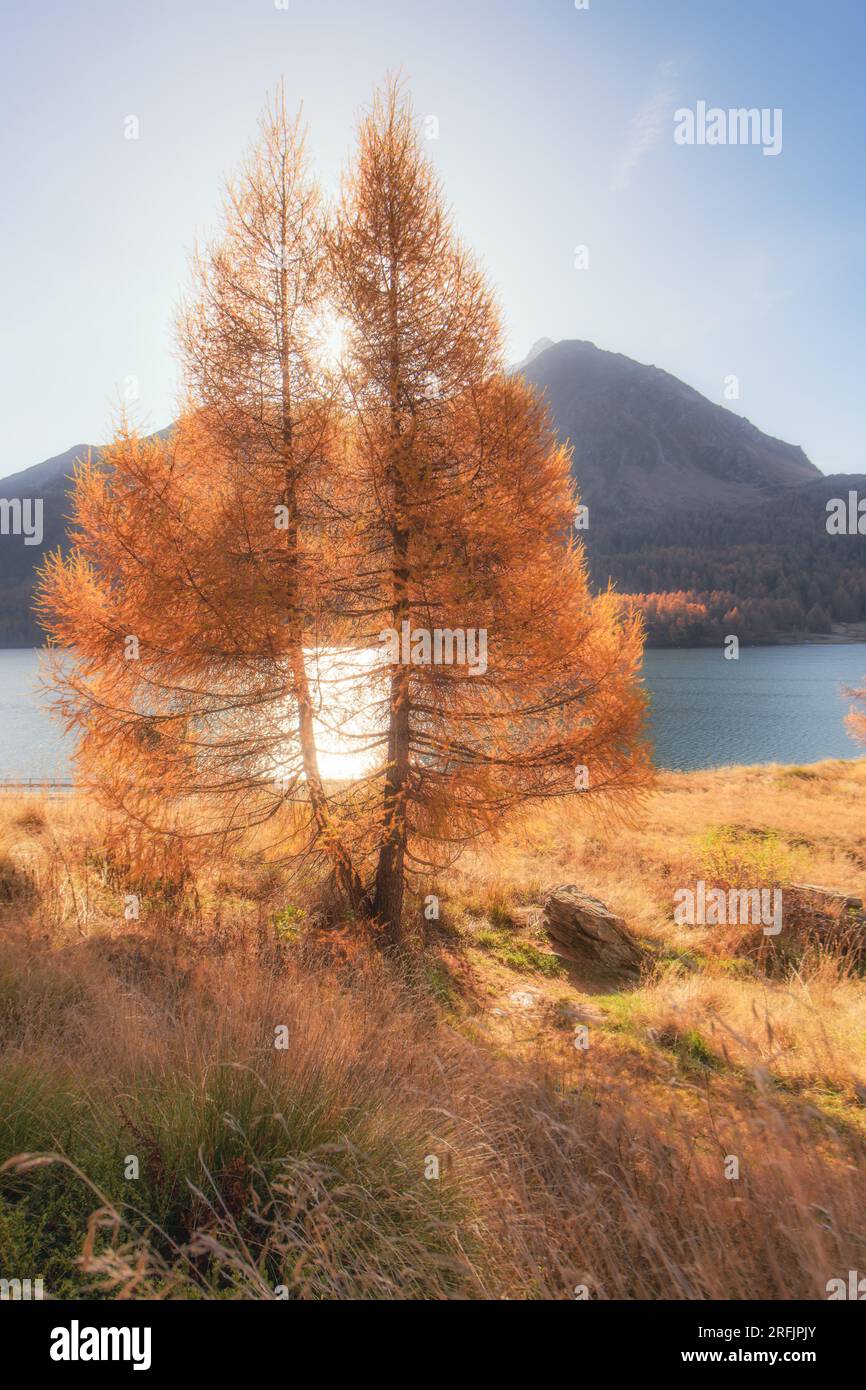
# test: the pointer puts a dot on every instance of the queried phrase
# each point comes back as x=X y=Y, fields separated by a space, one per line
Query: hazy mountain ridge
x=643 y=439
x=684 y=496
x=687 y=498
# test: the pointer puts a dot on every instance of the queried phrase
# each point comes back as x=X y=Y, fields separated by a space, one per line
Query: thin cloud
x=647 y=127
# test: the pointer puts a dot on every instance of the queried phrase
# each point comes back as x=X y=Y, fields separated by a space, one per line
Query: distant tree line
x=765 y=574
x=18 y=626
x=769 y=573
x=687 y=619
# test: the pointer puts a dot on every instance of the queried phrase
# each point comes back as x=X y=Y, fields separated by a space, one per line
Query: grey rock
x=589 y=932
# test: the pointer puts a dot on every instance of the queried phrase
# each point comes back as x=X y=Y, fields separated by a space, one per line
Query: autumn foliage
x=325 y=545
x=857 y=716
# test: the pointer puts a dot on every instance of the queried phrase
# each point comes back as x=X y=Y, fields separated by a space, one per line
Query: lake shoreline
x=816 y=639
x=781 y=703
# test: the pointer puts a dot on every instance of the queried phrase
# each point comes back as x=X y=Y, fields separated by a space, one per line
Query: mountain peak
x=538 y=347
x=644 y=441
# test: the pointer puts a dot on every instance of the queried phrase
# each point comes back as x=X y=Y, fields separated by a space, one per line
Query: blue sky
x=556 y=131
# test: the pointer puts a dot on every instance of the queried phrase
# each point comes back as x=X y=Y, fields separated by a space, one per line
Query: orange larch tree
x=200 y=563
x=412 y=520
x=501 y=679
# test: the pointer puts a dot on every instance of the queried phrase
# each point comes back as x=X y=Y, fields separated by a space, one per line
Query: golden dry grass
x=560 y=1168
x=767 y=823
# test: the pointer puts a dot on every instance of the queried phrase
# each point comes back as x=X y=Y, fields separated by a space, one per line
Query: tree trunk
x=388 y=901
x=347 y=879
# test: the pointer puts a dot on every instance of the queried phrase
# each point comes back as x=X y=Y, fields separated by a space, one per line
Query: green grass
x=691 y=1048
x=288 y=924
x=672 y=961
x=739 y=967
x=438 y=983
x=741 y=856
x=626 y=1013
x=214 y=1151
x=518 y=953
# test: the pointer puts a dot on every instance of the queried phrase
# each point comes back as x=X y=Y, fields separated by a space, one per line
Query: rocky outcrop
x=586 y=932
x=830 y=898
x=825 y=918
